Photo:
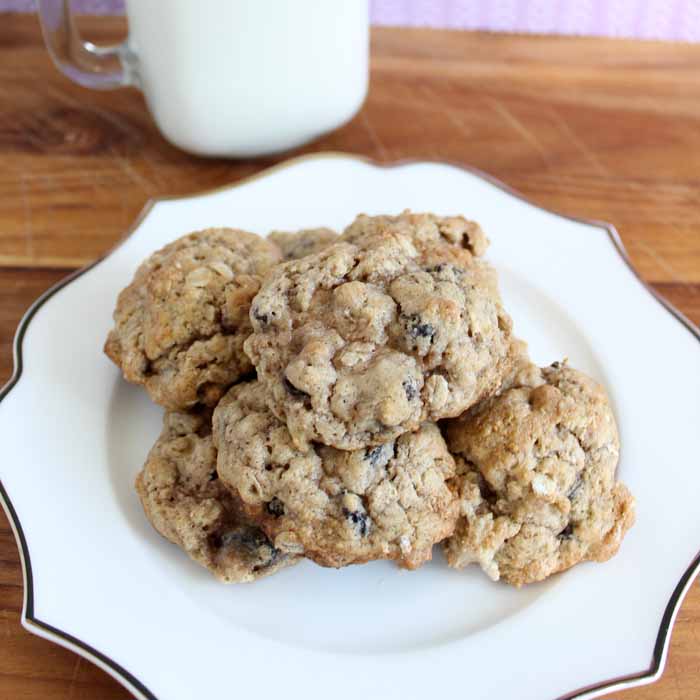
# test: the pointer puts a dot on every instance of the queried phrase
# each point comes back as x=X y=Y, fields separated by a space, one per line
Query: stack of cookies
x=353 y=397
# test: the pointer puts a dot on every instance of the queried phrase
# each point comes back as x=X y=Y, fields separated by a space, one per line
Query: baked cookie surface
x=423 y=229
x=537 y=478
x=185 y=501
x=180 y=325
x=393 y=501
x=361 y=343
x=299 y=244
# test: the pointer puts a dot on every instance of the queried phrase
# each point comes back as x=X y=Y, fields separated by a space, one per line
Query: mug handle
x=97 y=67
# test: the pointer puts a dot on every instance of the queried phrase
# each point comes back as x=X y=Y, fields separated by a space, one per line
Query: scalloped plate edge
x=31 y=623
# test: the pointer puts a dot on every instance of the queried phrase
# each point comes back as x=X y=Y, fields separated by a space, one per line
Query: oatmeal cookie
x=357 y=345
x=538 y=488
x=424 y=230
x=302 y=243
x=184 y=500
x=180 y=325
x=393 y=501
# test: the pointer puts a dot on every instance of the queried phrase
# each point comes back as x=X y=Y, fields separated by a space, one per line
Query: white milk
x=250 y=77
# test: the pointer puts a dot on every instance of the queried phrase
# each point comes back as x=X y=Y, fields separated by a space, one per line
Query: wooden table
x=591 y=127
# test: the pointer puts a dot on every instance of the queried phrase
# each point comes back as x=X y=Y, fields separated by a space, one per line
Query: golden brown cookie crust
x=185 y=501
x=360 y=343
x=393 y=501
x=299 y=244
x=425 y=230
x=537 y=471
x=179 y=327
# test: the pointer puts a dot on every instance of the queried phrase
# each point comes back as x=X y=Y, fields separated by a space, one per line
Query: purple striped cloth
x=644 y=19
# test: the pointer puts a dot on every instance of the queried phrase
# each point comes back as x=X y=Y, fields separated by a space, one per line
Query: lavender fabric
x=644 y=19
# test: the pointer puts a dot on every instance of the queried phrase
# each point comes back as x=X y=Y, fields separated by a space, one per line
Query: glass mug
x=232 y=78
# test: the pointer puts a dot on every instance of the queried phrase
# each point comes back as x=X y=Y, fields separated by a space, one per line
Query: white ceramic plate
x=101 y=581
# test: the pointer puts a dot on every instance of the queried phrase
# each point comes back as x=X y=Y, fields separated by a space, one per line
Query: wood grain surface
x=606 y=129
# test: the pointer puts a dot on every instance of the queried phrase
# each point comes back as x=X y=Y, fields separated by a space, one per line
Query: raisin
x=423 y=330
x=263 y=318
x=275 y=507
x=358 y=519
x=418 y=329
x=567 y=533
x=250 y=542
x=249 y=539
x=409 y=386
x=374 y=454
